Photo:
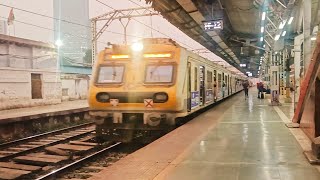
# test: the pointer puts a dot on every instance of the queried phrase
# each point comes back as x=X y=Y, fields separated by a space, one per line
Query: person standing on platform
x=260 y=90
x=245 y=85
x=258 y=84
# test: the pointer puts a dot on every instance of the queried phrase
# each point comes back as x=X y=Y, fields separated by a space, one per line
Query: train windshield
x=159 y=74
x=110 y=74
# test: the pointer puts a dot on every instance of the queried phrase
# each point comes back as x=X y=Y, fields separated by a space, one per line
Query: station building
x=31 y=75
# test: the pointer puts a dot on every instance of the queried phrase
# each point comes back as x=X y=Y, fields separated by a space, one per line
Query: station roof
x=240 y=40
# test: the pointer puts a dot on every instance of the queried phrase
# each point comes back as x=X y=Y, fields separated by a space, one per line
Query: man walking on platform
x=245 y=85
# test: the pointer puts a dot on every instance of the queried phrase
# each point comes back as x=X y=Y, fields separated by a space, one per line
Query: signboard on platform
x=213 y=25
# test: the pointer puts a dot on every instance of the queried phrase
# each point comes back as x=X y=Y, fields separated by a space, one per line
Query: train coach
x=147 y=86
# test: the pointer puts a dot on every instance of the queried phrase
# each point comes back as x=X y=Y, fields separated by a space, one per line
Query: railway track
x=22 y=146
x=78 y=163
x=31 y=157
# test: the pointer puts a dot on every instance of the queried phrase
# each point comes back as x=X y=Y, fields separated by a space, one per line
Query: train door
x=232 y=84
x=223 y=85
x=219 y=85
x=202 y=85
x=209 y=89
x=228 y=84
x=189 y=87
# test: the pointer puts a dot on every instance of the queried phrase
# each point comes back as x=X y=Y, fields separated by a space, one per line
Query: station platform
x=21 y=114
x=236 y=140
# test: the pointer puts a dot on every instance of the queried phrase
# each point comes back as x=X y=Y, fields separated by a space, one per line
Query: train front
x=133 y=89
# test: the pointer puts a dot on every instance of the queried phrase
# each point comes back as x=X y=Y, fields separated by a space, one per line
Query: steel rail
x=19 y=153
x=4 y=145
x=77 y=163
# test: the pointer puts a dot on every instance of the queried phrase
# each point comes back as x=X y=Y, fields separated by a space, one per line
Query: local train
x=147 y=86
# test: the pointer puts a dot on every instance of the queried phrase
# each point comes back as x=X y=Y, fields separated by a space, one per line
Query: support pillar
x=307 y=32
x=94 y=41
x=297 y=67
x=275 y=80
x=288 y=98
x=314 y=156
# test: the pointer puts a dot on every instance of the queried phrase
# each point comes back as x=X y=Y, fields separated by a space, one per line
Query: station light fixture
x=262 y=29
x=277 y=37
x=137 y=46
x=264 y=45
x=59 y=43
x=261 y=38
x=281 y=25
x=263 y=16
x=313 y=38
x=290 y=20
x=284 y=33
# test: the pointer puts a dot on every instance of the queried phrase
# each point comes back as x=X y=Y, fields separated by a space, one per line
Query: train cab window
x=110 y=74
x=159 y=74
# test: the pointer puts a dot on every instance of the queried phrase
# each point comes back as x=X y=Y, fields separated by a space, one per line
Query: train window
x=159 y=74
x=110 y=74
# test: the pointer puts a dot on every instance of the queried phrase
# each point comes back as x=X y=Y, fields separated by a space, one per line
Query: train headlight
x=137 y=46
x=160 y=97
x=103 y=97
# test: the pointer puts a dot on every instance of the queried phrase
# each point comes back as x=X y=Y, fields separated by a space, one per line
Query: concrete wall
x=17 y=63
x=74 y=86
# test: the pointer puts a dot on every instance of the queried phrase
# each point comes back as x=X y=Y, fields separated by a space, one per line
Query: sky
x=137 y=27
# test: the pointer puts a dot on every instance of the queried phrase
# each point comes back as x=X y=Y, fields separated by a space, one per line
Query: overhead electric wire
x=153 y=28
x=63 y=20
x=74 y=23
x=144 y=23
x=34 y=25
x=215 y=62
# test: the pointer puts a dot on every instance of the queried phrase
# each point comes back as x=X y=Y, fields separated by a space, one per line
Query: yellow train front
x=144 y=88
x=134 y=89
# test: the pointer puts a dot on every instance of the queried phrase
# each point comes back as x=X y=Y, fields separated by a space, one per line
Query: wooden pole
x=308 y=81
x=317 y=108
